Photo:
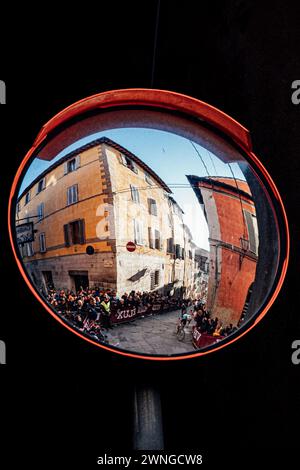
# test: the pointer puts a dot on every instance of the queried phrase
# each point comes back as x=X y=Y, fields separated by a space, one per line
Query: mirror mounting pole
x=147 y=414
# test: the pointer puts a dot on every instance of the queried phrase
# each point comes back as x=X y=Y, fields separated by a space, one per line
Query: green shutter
x=67 y=234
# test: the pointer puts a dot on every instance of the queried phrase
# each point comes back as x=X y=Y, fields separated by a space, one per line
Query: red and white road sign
x=131 y=246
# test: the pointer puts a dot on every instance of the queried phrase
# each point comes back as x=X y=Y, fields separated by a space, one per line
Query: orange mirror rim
x=165 y=100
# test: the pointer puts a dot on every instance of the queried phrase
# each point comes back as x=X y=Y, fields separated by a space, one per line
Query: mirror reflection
x=145 y=239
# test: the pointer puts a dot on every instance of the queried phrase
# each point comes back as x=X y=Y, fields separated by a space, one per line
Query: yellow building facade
x=103 y=196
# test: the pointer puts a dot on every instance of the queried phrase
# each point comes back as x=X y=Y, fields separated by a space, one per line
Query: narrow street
x=153 y=334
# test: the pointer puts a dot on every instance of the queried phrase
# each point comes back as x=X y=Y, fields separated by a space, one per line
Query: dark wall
x=268 y=249
x=239 y=56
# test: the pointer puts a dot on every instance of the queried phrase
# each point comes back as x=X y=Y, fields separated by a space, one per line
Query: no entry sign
x=131 y=246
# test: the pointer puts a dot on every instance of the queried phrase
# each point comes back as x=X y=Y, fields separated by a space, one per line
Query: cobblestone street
x=153 y=334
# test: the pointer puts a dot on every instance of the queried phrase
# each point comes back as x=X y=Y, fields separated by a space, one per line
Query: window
x=157 y=240
x=133 y=167
x=203 y=266
x=135 y=196
x=27 y=197
x=18 y=207
x=190 y=254
x=42 y=242
x=147 y=178
x=154 y=279
x=74 y=233
x=29 y=249
x=22 y=250
x=252 y=231
x=123 y=159
x=72 y=165
x=40 y=211
x=178 y=251
x=41 y=185
x=152 y=206
x=150 y=237
x=138 y=232
x=170 y=245
x=128 y=163
x=47 y=275
x=72 y=194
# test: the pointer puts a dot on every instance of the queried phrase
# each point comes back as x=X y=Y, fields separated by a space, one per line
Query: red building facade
x=233 y=238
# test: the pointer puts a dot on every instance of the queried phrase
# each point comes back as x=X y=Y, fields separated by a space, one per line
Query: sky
x=171 y=157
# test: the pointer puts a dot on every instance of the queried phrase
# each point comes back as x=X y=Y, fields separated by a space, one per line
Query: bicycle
x=180 y=332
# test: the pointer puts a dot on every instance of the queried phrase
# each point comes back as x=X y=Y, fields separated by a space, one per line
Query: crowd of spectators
x=212 y=326
x=89 y=310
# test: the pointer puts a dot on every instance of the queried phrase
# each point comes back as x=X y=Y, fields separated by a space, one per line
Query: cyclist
x=183 y=317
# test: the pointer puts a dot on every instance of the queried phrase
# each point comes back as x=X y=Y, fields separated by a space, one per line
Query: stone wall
x=100 y=268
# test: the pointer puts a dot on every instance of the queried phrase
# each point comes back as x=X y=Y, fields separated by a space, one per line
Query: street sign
x=24 y=233
x=131 y=247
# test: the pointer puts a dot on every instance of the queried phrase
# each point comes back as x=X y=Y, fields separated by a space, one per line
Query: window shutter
x=123 y=159
x=30 y=250
x=134 y=167
x=140 y=232
x=42 y=243
x=67 y=234
x=44 y=183
x=74 y=199
x=135 y=196
x=77 y=162
x=170 y=245
x=135 y=231
x=81 y=231
x=41 y=211
x=157 y=239
x=152 y=206
x=152 y=281
x=148 y=179
x=132 y=192
x=65 y=168
x=251 y=232
x=150 y=236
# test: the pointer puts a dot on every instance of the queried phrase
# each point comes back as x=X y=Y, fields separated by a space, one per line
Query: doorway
x=48 y=279
x=79 y=279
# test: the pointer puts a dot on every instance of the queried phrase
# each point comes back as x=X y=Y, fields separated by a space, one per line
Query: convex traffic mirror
x=143 y=222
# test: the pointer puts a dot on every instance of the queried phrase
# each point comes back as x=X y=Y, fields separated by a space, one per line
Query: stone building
x=103 y=196
x=201 y=273
x=233 y=238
